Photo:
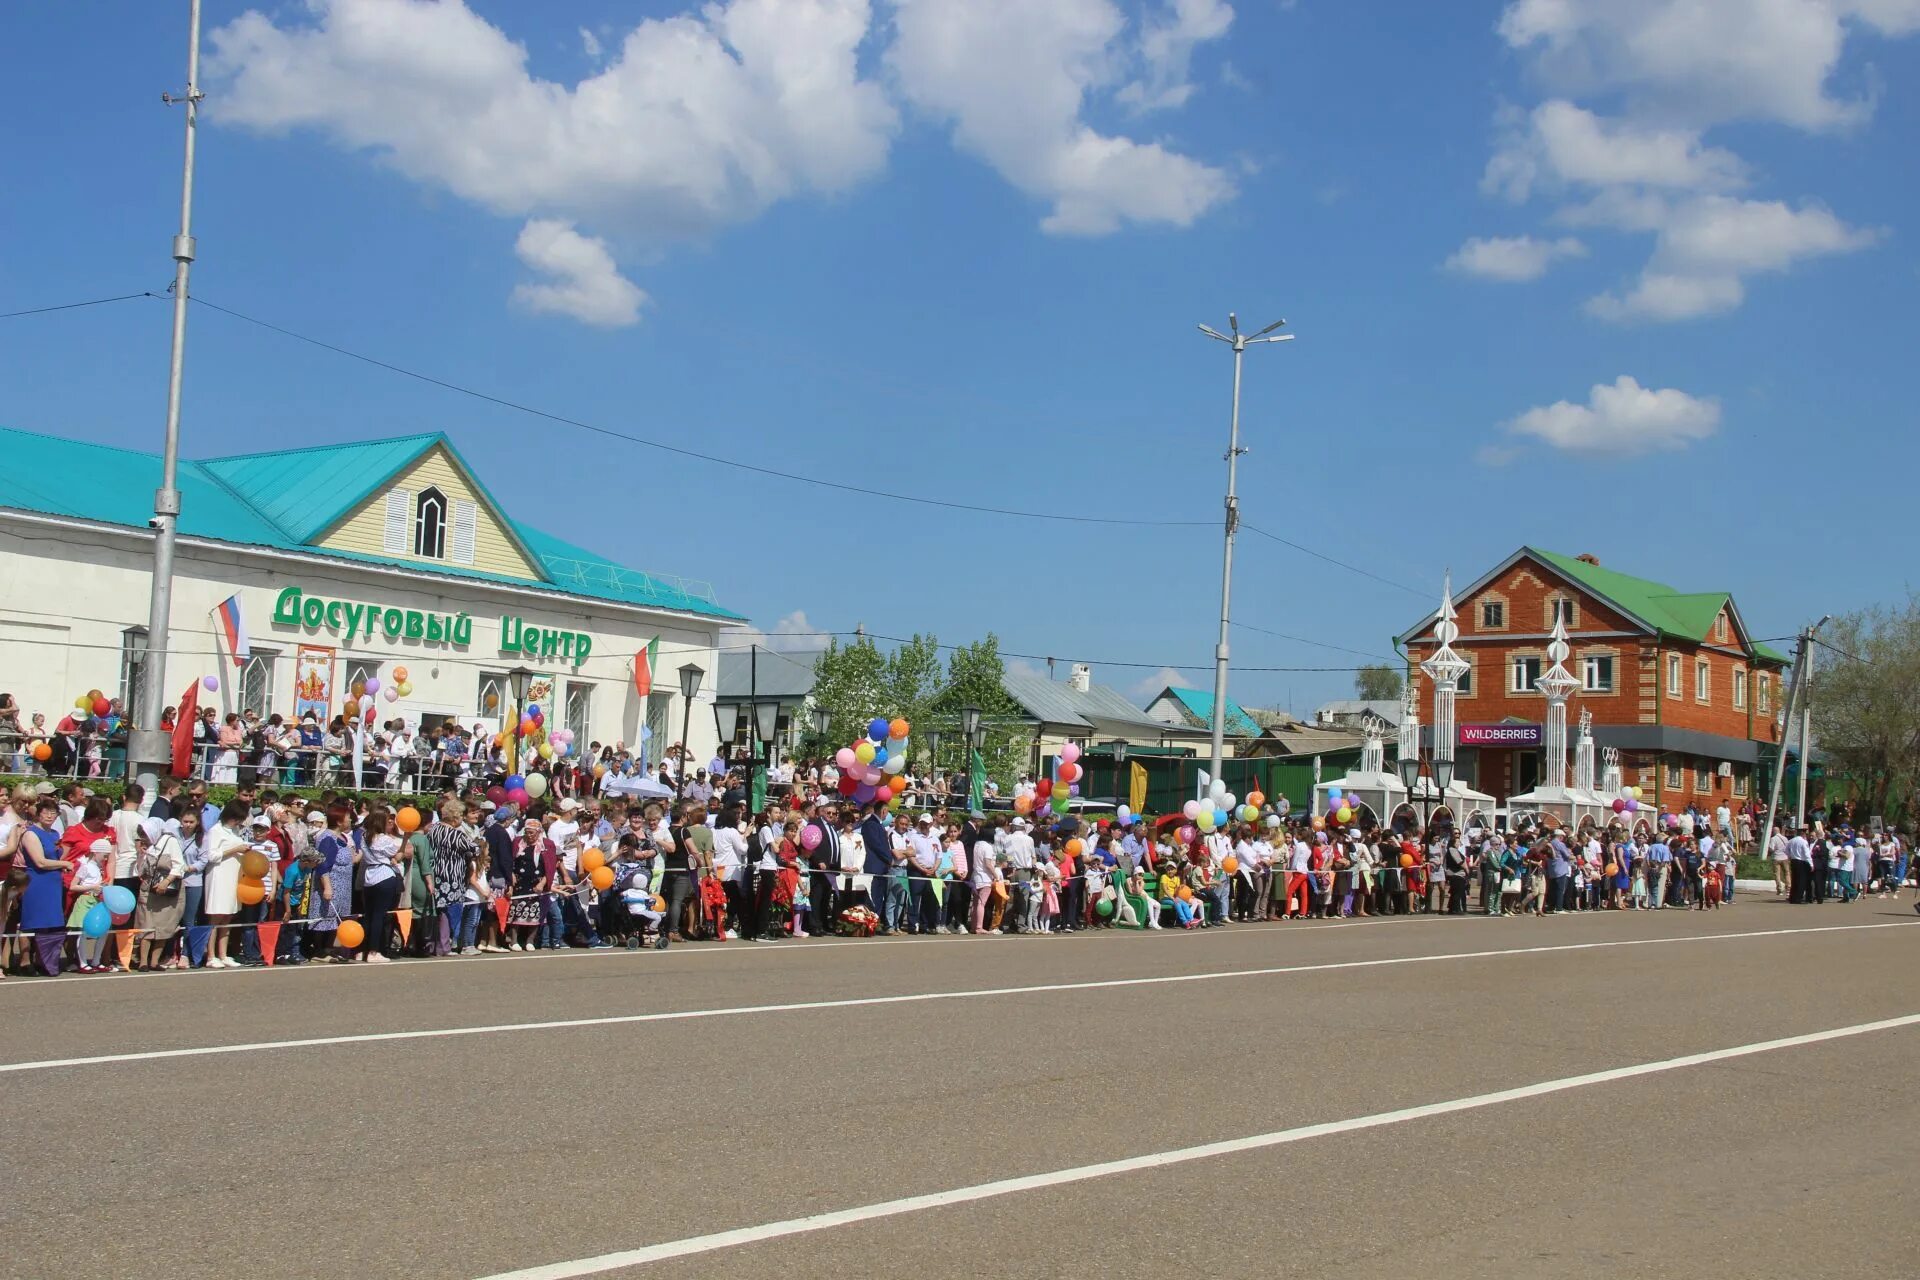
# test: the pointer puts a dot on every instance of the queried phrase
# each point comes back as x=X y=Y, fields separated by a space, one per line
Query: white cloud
x=585 y=283
x=1561 y=144
x=1707 y=245
x=695 y=122
x=1512 y=258
x=1153 y=683
x=793 y=633
x=1013 y=77
x=1166 y=47
x=1705 y=61
x=1023 y=667
x=1622 y=417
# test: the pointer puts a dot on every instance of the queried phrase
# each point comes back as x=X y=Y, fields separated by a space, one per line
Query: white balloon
x=1229 y=800
x=894 y=764
x=536 y=785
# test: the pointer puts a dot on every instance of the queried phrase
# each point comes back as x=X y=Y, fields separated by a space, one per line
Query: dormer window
x=430 y=525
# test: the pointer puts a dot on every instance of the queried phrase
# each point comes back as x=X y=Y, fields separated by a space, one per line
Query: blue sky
x=1619 y=276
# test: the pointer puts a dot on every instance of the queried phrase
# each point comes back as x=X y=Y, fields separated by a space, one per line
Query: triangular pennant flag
x=404 y=918
x=269 y=936
x=123 y=939
x=500 y=912
x=197 y=938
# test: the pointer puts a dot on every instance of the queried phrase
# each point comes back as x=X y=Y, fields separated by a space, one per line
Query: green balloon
x=1104 y=907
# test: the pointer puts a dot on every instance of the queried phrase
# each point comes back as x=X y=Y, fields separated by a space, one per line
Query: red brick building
x=1673 y=679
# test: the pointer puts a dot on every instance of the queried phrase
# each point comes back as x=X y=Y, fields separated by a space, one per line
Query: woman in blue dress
x=43 y=900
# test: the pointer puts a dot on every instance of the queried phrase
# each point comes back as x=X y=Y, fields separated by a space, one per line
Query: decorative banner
x=313 y=682
x=1499 y=735
x=197 y=939
x=500 y=912
x=123 y=939
x=643 y=664
x=403 y=916
x=1136 y=786
x=268 y=933
x=233 y=624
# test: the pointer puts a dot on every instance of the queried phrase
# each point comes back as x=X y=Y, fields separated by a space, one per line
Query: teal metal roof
x=280 y=500
x=1199 y=704
x=305 y=491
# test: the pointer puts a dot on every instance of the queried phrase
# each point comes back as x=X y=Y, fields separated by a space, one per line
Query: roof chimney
x=1081 y=679
x=1587 y=557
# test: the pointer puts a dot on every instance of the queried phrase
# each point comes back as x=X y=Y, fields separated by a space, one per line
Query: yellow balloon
x=864 y=753
x=546 y=751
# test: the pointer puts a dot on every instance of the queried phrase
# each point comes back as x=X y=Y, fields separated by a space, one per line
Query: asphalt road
x=1447 y=1097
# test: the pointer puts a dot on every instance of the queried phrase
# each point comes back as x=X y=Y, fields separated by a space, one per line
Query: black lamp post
x=1119 y=771
x=689 y=686
x=971 y=736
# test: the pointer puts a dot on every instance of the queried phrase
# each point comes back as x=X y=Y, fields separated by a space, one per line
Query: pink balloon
x=1191 y=809
x=1070 y=753
x=845 y=759
x=809 y=837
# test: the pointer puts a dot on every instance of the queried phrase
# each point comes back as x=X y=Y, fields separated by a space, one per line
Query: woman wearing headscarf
x=162 y=868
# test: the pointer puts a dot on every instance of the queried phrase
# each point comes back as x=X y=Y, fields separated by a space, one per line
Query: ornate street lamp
x=689 y=686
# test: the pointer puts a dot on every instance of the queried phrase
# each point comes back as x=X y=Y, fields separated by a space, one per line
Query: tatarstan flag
x=643 y=665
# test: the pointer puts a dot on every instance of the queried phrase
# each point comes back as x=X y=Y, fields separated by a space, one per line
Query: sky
x=1627 y=277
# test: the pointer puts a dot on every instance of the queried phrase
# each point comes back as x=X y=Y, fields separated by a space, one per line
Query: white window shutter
x=466 y=518
x=399 y=522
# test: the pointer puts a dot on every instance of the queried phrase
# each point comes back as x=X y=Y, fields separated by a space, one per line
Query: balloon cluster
x=873 y=767
x=1628 y=801
x=1056 y=792
x=361 y=694
x=519 y=789
x=115 y=907
x=1340 y=807
x=90 y=706
x=1222 y=807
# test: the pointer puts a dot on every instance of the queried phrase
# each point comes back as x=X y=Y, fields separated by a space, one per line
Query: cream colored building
x=349 y=563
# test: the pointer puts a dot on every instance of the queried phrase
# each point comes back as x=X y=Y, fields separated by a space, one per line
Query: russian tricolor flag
x=235 y=627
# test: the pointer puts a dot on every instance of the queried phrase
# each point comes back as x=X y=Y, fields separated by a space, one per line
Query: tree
x=1866 y=703
x=910 y=681
x=974 y=678
x=1377 y=682
x=850 y=682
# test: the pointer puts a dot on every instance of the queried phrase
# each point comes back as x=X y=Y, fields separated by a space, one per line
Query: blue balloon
x=97 y=921
x=1220 y=817
x=516 y=782
x=879 y=756
x=878 y=730
x=118 y=899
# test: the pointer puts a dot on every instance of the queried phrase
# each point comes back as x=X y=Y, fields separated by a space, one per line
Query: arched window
x=430 y=525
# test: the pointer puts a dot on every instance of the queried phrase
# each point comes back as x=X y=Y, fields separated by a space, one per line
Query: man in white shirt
x=1800 y=867
x=1019 y=853
x=1777 y=854
x=923 y=854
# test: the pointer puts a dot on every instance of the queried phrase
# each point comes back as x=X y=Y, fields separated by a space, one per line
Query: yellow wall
x=363 y=530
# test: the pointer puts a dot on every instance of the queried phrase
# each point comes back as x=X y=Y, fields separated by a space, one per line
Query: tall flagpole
x=149 y=747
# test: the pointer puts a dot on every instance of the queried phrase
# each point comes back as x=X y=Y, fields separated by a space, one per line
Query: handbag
x=1510 y=885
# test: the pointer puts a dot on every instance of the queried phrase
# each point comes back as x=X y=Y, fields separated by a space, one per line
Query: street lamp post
x=971 y=737
x=1409 y=767
x=689 y=686
x=1119 y=773
x=1239 y=342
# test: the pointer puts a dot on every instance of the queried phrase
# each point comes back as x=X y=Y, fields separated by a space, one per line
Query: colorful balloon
x=350 y=935
x=1070 y=753
x=210 y=683
x=878 y=729
x=899 y=728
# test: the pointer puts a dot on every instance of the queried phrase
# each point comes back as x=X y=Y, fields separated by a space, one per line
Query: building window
x=1673 y=675
x=1702 y=680
x=430 y=524
x=133 y=669
x=1740 y=688
x=1526 y=673
x=256 y=685
x=1465 y=687
x=1720 y=628
x=1703 y=779
x=1766 y=693
x=1493 y=615
x=1596 y=674
x=1676 y=777
x=1561 y=609
x=491 y=700
x=1739 y=782
x=579 y=712
x=659 y=728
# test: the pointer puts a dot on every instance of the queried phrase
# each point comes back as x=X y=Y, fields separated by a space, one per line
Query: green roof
x=282 y=500
x=1199 y=704
x=1685 y=615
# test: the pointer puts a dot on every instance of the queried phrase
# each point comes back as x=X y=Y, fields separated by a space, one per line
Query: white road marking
x=1161 y=1159
x=857 y=1002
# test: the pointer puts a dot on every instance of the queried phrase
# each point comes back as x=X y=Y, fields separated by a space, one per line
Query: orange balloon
x=896 y=784
x=898 y=728
x=1406 y=860
x=42 y=752
x=659 y=903
x=351 y=934
x=1230 y=865
x=592 y=860
x=250 y=890
x=1023 y=804
x=1186 y=893
x=1074 y=847
x=400 y=675
x=253 y=864
x=1256 y=798
x=602 y=878
x=408 y=819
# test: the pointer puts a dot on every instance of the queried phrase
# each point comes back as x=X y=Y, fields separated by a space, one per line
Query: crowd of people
x=174 y=881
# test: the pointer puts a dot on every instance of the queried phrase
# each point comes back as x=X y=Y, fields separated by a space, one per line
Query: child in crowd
x=1640 y=902
x=83 y=892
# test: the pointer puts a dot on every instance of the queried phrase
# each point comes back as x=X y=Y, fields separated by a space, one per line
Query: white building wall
x=69 y=593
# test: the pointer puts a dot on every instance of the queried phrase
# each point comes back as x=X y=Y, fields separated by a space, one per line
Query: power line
x=695 y=454
x=75 y=306
x=1350 y=568
x=1318 y=644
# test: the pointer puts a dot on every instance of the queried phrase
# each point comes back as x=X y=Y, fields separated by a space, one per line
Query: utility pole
x=1799 y=699
x=1239 y=342
x=150 y=749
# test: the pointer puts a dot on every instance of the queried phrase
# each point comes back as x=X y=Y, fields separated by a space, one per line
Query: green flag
x=976 y=783
x=759 y=788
